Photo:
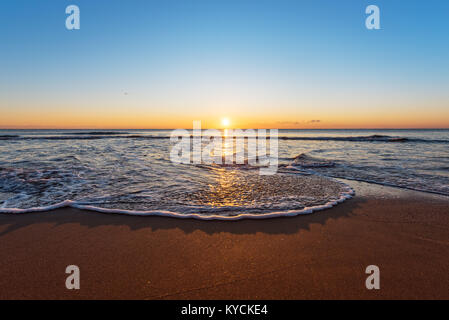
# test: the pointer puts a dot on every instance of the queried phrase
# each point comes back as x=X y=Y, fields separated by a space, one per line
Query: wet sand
x=317 y=256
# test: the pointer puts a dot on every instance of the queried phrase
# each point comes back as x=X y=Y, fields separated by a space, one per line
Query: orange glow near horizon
x=163 y=123
x=89 y=117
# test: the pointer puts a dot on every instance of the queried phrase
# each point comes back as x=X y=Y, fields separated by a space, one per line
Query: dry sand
x=317 y=256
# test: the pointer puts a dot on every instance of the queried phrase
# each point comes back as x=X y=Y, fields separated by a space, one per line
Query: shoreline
x=315 y=256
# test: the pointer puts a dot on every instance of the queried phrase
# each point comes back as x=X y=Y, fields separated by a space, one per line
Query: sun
x=225 y=122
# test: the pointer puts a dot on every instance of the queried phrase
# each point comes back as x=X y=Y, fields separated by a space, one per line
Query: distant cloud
x=297 y=123
x=289 y=123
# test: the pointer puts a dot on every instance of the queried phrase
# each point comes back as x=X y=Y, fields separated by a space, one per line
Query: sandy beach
x=317 y=256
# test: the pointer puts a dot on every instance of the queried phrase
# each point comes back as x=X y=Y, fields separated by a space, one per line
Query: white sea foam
x=347 y=193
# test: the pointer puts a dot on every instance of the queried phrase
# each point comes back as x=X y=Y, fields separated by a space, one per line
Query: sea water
x=130 y=171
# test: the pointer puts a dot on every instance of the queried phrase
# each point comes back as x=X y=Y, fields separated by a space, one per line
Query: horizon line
x=411 y=128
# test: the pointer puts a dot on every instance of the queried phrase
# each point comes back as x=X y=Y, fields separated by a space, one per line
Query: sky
x=259 y=63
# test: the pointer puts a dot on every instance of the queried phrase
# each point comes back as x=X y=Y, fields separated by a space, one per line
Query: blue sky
x=262 y=61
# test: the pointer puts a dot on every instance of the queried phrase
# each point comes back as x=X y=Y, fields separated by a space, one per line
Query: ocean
x=130 y=172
